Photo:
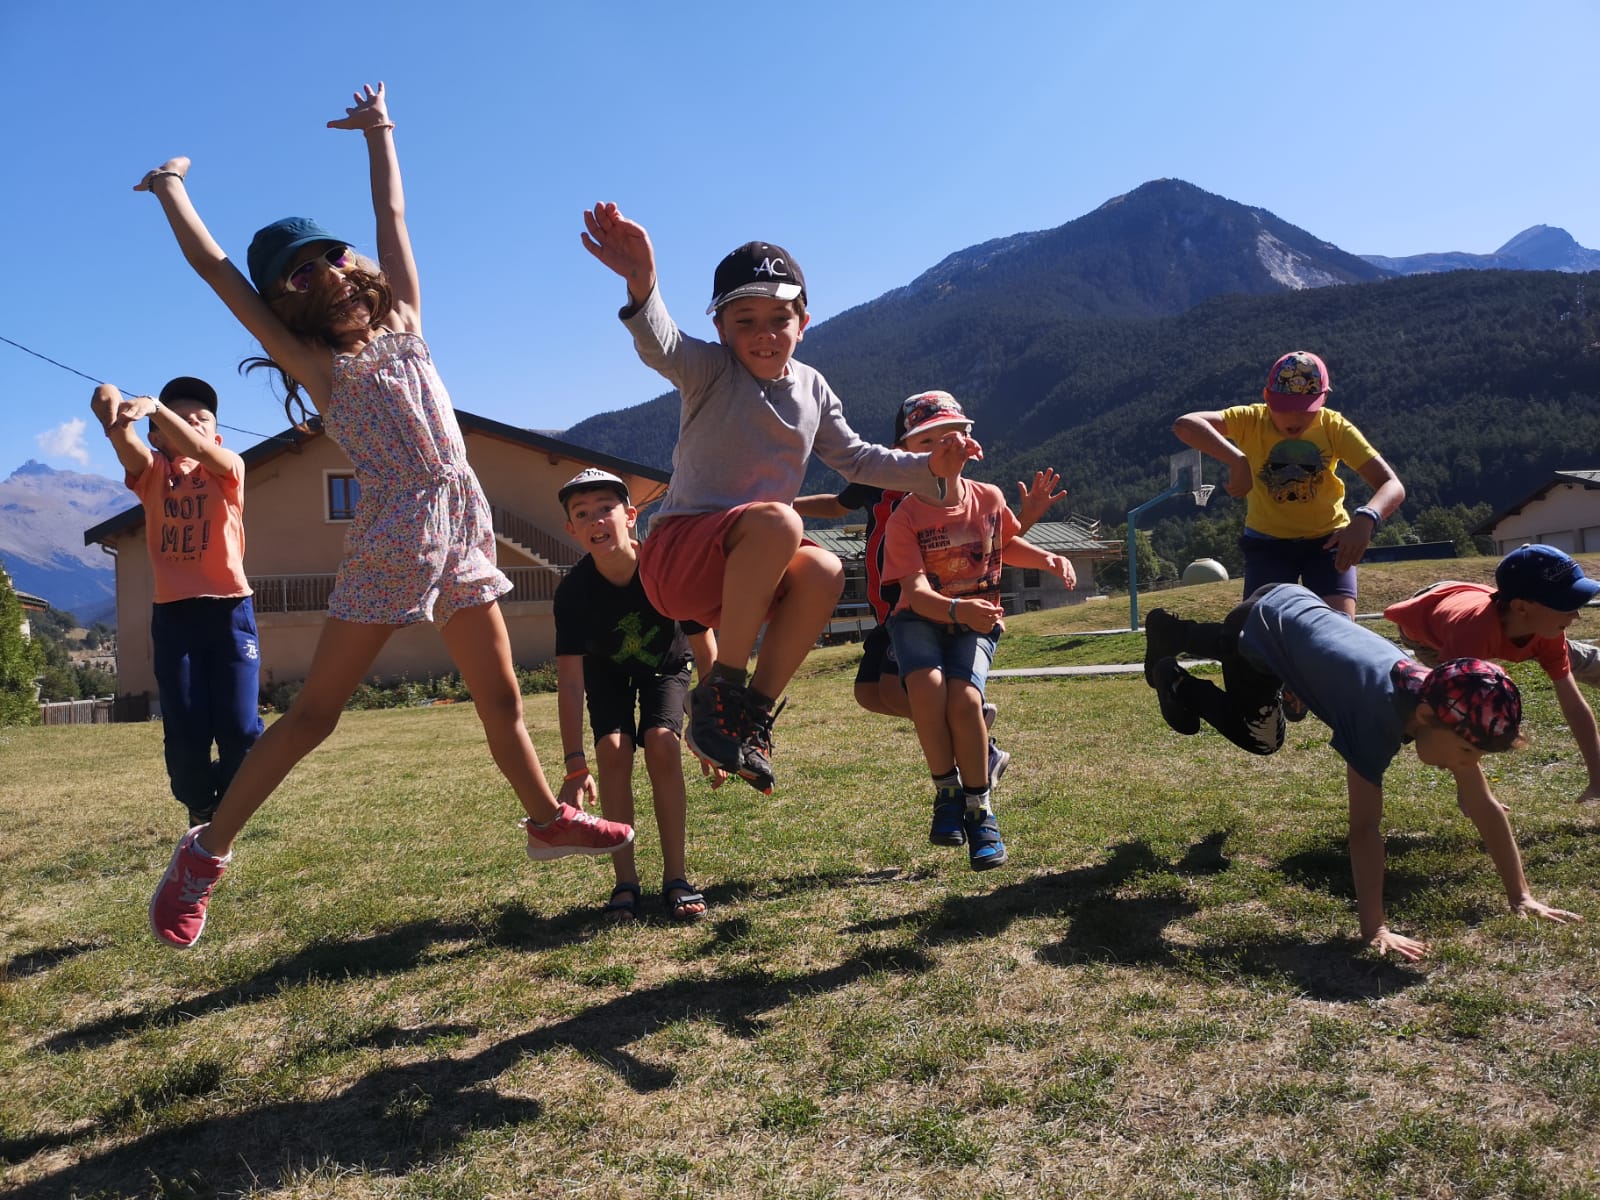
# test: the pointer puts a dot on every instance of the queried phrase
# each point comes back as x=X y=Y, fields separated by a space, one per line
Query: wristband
x=577 y=773
x=953 y=620
x=573 y=755
x=1366 y=510
x=155 y=175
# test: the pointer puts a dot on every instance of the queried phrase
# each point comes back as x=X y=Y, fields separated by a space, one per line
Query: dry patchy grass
x=1159 y=997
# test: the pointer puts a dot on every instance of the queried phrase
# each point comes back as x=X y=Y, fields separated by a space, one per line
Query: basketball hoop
x=1203 y=494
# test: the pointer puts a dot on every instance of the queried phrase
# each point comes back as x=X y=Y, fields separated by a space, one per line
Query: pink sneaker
x=178 y=909
x=574 y=832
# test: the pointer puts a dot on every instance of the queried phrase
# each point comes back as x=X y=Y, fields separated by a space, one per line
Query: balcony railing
x=309 y=593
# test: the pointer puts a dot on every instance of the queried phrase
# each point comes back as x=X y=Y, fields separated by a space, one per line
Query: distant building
x=300 y=498
x=1564 y=512
x=1021 y=589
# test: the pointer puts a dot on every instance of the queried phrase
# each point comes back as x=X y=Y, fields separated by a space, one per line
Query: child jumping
x=878 y=687
x=1373 y=697
x=349 y=332
x=632 y=666
x=1538 y=594
x=726 y=548
x=946 y=557
x=203 y=622
x=1282 y=456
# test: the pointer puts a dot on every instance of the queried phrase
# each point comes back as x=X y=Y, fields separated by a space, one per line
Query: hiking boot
x=1173 y=710
x=575 y=832
x=991 y=714
x=716 y=722
x=178 y=908
x=949 y=807
x=999 y=760
x=985 y=850
x=755 y=745
x=1161 y=633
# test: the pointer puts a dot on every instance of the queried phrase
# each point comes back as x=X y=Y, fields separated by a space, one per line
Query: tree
x=1114 y=573
x=19 y=662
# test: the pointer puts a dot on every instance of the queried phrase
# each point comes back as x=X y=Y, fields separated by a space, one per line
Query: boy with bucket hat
x=629 y=665
x=1374 y=698
x=1538 y=593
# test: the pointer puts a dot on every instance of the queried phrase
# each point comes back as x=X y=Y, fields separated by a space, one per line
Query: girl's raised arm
x=370 y=114
x=305 y=363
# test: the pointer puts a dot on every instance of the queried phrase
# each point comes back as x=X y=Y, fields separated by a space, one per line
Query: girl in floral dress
x=347 y=334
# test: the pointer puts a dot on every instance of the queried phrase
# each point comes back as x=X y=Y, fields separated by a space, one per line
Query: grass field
x=1161 y=995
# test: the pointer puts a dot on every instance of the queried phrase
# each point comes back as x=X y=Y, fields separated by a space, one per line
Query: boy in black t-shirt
x=632 y=666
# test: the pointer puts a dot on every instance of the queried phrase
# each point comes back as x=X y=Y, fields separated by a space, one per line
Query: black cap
x=757 y=269
x=187 y=387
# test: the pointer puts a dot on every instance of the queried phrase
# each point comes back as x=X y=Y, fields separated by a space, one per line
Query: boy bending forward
x=1373 y=697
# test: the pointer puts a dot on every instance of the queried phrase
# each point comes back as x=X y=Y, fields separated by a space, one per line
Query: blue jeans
x=920 y=644
x=208 y=674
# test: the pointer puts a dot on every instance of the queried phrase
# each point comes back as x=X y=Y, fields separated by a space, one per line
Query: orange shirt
x=194 y=527
x=1459 y=620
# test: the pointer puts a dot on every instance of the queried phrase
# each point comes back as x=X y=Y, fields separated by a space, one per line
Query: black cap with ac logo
x=757 y=269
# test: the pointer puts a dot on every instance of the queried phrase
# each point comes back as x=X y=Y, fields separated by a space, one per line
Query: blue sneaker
x=985 y=850
x=949 y=808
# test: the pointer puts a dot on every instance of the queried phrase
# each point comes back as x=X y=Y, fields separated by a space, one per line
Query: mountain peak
x=33 y=467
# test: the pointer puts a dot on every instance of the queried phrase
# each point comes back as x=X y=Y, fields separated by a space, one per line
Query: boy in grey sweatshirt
x=726 y=546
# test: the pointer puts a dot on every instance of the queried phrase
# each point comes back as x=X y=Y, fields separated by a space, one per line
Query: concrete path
x=1088 y=669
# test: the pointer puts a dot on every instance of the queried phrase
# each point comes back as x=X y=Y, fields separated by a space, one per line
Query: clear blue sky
x=871 y=139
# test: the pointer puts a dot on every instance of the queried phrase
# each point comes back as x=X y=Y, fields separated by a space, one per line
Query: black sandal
x=628 y=904
x=677 y=905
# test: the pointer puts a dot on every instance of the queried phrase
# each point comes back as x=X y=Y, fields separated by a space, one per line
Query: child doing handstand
x=1373 y=697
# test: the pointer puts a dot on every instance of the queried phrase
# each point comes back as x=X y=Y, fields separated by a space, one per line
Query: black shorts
x=613 y=698
x=877 y=657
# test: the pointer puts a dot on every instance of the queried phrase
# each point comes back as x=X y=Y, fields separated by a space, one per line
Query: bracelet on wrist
x=1372 y=514
x=953 y=620
x=155 y=175
x=575 y=754
x=575 y=773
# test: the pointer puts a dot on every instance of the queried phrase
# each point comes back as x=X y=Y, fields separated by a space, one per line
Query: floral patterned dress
x=422 y=544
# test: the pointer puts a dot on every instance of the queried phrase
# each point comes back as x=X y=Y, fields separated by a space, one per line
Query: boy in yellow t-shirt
x=1282 y=455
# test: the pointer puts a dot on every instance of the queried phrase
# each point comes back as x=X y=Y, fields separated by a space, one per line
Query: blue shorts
x=1294 y=560
x=922 y=645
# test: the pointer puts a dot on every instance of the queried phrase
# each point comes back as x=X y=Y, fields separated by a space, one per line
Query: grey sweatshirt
x=741 y=439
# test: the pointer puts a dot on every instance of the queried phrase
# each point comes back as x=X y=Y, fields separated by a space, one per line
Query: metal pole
x=1133 y=551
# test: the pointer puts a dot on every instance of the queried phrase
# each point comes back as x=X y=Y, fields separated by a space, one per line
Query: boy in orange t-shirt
x=1538 y=593
x=202 y=624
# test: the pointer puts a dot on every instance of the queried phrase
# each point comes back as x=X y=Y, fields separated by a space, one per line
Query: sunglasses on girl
x=338 y=257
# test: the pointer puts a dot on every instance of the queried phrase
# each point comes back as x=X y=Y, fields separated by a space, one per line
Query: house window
x=344 y=493
x=1030 y=578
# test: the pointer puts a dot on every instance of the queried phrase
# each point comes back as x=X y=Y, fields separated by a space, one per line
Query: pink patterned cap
x=1298 y=382
x=1471 y=697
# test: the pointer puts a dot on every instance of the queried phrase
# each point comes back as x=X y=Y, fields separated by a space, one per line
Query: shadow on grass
x=37 y=962
x=1133 y=930
x=403 y=1118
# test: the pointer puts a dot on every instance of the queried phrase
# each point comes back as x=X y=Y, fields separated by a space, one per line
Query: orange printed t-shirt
x=957 y=548
x=1459 y=621
x=194 y=527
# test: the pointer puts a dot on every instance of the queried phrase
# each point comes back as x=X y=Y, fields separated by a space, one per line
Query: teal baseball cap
x=273 y=246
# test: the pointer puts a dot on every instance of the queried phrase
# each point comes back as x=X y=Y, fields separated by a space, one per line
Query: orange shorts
x=682 y=563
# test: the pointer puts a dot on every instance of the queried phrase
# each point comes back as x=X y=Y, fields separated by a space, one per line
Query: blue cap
x=1545 y=576
x=273 y=247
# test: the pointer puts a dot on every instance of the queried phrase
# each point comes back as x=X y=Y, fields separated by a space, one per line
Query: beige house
x=300 y=496
x=1021 y=589
x=1564 y=512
